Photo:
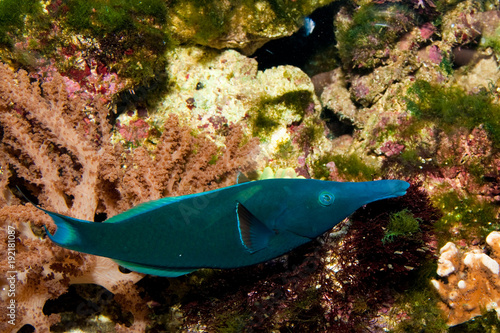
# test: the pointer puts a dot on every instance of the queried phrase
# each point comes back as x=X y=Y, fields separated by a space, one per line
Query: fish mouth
x=404 y=186
x=387 y=189
x=400 y=187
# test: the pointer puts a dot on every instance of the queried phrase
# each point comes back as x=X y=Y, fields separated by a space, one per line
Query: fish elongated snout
x=366 y=192
x=399 y=188
x=385 y=189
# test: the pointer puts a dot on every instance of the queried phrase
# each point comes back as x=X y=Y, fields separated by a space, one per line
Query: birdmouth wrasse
x=235 y=226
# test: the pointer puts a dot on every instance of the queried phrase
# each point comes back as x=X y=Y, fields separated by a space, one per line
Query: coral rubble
x=469 y=281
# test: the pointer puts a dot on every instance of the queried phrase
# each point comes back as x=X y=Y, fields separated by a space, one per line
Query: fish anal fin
x=154 y=270
x=254 y=234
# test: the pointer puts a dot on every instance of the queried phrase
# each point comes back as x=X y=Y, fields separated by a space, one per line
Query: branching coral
x=58 y=149
x=469 y=282
x=181 y=164
x=51 y=144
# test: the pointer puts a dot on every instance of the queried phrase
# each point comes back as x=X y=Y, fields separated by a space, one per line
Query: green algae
x=209 y=18
x=263 y=124
x=401 y=224
x=311 y=133
x=285 y=150
x=419 y=303
x=127 y=37
x=447 y=66
x=210 y=22
x=487 y=323
x=350 y=167
x=305 y=311
x=492 y=41
x=464 y=217
x=266 y=117
x=372 y=29
x=13 y=17
x=229 y=322
x=422 y=307
x=452 y=107
x=131 y=36
x=410 y=157
x=103 y=17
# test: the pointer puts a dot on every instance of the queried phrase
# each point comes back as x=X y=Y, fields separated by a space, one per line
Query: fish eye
x=326 y=198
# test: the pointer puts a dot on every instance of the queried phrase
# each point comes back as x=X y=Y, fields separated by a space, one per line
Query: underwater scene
x=250 y=166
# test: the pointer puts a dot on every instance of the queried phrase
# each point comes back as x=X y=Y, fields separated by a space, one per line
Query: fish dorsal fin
x=254 y=234
x=241 y=178
x=153 y=270
x=141 y=208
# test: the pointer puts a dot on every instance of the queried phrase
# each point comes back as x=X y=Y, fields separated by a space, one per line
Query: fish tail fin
x=66 y=233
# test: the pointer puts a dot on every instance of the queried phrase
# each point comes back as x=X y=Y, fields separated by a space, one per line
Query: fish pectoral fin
x=254 y=234
x=154 y=270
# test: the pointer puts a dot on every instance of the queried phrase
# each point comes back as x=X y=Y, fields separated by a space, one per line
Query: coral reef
x=211 y=90
x=244 y=25
x=423 y=104
x=59 y=151
x=364 y=38
x=469 y=281
x=67 y=164
x=124 y=102
x=118 y=37
x=130 y=39
x=427 y=102
x=69 y=168
x=362 y=267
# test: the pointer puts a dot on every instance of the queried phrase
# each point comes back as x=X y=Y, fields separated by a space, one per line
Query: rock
x=243 y=25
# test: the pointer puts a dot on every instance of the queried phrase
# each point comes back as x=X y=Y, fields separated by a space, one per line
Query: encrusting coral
x=211 y=89
x=469 y=282
x=58 y=150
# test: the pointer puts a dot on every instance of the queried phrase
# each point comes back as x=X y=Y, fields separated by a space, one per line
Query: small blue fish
x=235 y=226
x=308 y=26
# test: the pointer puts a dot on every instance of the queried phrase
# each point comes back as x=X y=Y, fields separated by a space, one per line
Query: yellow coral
x=470 y=281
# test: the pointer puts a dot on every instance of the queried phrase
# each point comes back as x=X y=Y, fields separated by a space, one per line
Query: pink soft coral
x=58 y=149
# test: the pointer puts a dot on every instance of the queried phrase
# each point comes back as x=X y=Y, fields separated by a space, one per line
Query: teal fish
x=231 y=227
